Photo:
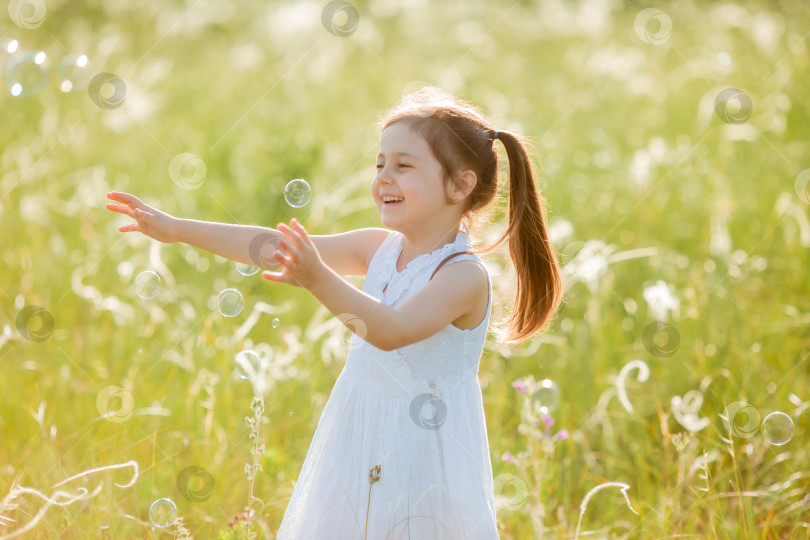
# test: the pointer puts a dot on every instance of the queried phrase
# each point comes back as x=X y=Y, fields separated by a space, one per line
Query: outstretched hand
x=149 y=221
x=301 y=263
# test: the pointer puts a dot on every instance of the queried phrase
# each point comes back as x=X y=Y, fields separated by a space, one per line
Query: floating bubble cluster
x=27 y=72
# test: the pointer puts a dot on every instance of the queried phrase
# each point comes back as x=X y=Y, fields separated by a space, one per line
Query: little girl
x=401 y=450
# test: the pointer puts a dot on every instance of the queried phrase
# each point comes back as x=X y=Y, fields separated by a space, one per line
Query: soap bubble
x=275 y=322
x=147 y=285
x=28 y=73
x=297 y=193
x=547 y=396
x=777 y=428
x=163 y=513
x=229 y=302
x=72 y=73
x=246 y=269
x=248 y=364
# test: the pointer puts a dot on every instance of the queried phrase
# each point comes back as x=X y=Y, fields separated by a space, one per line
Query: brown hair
x=460 y=139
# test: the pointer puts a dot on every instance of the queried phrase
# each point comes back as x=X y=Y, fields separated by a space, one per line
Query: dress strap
x=447 y=259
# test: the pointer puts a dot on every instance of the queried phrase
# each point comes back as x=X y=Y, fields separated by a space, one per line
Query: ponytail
x=539 y=285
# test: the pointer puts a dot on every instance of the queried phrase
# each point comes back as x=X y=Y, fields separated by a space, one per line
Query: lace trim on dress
x=399 y=282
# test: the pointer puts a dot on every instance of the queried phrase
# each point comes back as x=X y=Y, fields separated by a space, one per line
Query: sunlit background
x=673 y=149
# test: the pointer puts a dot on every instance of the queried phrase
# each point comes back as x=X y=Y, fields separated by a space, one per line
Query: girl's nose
x=383 y=176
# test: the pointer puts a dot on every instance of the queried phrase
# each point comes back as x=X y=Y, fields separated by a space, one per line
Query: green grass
x=264 y=94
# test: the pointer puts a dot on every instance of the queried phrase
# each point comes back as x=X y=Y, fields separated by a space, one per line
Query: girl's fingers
x=289 y=250
x=300 y=230
x=130 y=200
x=290 y=234
x=283 y=259
x=278 y=277
x=120 y=208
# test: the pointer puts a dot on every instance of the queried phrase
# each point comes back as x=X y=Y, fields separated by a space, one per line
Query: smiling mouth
x=393 y=203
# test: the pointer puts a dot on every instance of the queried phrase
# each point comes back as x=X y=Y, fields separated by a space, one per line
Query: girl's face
x=406 y=168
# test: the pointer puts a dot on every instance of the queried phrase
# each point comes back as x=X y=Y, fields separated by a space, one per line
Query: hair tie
x=493 y=134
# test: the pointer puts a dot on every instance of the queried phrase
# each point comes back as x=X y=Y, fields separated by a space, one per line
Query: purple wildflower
x=508 y=457
x=562 y=434
x=520 y=386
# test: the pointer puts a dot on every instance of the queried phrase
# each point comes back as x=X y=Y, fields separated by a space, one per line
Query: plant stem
x=737 y=485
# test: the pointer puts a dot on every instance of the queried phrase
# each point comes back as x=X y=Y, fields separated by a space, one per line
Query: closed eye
x=400 y=165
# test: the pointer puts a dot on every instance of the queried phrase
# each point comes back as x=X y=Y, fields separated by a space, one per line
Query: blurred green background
x=670 y=199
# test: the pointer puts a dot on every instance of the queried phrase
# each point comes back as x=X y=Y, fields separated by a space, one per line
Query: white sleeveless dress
x=417 y=412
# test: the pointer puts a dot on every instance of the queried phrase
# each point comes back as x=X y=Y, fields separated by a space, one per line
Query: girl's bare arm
x=248 y=244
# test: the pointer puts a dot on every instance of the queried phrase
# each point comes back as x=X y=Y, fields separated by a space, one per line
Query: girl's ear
x=468 y=181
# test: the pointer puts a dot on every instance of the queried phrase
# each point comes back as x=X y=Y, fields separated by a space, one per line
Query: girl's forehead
x=399 y=137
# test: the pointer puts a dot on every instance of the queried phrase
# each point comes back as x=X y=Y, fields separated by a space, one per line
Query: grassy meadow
x=673 y=152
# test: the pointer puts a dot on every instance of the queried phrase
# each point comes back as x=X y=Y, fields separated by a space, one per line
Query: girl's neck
x=414 y=247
